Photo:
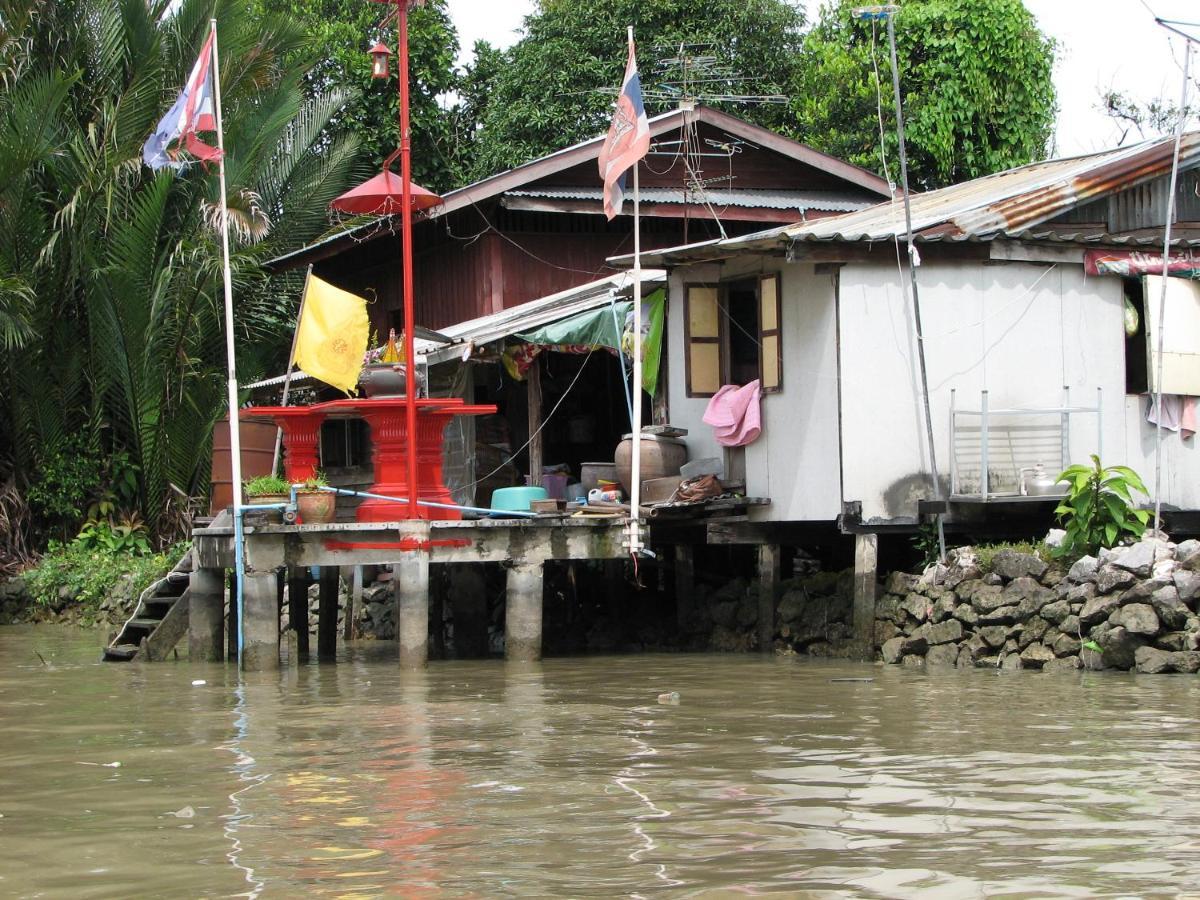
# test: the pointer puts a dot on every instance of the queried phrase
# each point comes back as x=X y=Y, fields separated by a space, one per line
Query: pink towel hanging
x=735 y=413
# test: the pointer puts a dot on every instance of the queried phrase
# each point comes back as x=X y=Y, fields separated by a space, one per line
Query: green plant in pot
x=315 y=505
x=262 y=490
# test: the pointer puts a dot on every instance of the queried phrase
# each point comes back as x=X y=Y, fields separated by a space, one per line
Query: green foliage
x=338 y=34
x=316 y=481
x=926 y=542
x=267 y=484
x=89 y=573
x=1098 y=510
x=127 y=536
x=985 y=554
x=975 y=80
x=556 y=85
x=112 y=273
x=66 y=477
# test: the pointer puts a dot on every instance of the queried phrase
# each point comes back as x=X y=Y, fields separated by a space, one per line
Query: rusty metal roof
x=750 y=198
x=1008 y=204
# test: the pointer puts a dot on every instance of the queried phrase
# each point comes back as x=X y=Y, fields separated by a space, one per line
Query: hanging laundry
x=735 y=414
x=1178 y=413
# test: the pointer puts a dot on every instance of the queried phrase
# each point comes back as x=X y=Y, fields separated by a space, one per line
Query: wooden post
x=354 y=608
x=298 y=607
x=327 y=614
x=685 y=587
x=768 y=588
x=866 y=566
x=231 y=619
x=523 y=613
x=468 y=603
x=206 y=628
x=533 y=381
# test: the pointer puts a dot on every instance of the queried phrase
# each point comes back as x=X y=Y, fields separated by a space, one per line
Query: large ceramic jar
x=383 y=380
x=661 y=456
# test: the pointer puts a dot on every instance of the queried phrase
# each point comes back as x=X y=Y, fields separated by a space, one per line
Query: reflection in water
x=567 y=778
x=243 y=769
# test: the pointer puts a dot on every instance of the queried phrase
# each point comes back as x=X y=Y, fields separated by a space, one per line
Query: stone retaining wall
x=1134 y=607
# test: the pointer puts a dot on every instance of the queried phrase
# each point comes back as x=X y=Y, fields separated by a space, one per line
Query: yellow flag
x=332 y=335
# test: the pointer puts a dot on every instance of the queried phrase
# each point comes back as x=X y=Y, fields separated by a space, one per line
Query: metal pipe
x=983 y=445
x=953 y=454
x=346 y=492
x=1162 y=297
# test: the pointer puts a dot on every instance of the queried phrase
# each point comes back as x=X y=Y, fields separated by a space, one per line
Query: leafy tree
x=338 y=35
x=1148 y=118
x=117 y=269
x=556 y=85
x=975 y=80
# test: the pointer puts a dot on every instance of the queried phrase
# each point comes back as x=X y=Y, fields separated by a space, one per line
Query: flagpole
x=235 y=436
x=635 y=492
x=287 y=376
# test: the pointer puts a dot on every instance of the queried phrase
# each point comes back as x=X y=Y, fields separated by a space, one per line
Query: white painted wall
x=1020 y=330
x=795 y=460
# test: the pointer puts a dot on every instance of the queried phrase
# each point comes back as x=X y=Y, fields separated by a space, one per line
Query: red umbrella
x=383 y=195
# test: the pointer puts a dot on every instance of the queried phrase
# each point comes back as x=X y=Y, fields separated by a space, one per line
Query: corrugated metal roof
x=753 y=198
x=522 y=317
x=1008 y=204
x=533 y=314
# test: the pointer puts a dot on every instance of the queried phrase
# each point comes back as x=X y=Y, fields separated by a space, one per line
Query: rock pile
x=1133 y=607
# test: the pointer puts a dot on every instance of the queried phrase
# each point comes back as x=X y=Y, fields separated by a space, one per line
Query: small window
x=1135 y=338
x=344 y=444
x=769 y=318
x=702 y=319
x=1181 y=335
x=742 y=303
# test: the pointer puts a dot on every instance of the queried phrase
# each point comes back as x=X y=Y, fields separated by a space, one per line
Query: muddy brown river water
x=771 y=776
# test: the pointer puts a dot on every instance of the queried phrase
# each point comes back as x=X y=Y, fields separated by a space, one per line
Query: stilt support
x=866 y=586
x=410 y=586
x=206 y=625
x=297 y=577
x=327 y=613
x=523 y=613
x=768 y=590
x=260 y=619
x=685 y=587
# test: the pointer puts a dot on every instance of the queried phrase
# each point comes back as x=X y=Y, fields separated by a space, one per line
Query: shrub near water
x=88 y=573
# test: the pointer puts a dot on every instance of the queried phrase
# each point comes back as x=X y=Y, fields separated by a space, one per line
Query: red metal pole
x=410 y=364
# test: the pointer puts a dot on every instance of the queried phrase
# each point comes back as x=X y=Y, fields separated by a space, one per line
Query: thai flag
x=193 y=112
x=628 y=138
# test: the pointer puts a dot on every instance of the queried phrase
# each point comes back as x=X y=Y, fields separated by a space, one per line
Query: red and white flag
x=628 y=138
x=193 y=112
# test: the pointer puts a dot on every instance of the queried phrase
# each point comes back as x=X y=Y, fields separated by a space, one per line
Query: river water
x=785 y=776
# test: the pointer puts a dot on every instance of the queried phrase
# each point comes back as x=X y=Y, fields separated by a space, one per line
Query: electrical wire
x=545 y=421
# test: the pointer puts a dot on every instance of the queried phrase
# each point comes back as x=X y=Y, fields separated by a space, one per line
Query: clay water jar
x=661 y=456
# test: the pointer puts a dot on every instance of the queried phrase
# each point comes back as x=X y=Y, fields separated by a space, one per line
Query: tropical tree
x=975 y=80
x=338 y=34
x=556 y=85
x=110 y=273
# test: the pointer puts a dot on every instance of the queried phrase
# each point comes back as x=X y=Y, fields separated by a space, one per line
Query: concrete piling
x=523 y=613
x=410 y=587
x=260 y=622
x=206 y=625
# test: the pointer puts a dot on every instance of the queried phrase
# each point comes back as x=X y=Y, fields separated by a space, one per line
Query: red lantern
x=379 y=60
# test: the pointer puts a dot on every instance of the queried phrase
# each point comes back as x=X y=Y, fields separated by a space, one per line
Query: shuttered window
x=1181 y=335
x=703 y=340
x=770 y=348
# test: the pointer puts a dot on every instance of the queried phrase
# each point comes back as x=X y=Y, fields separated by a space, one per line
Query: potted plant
x=267 y=489
x=315 y=505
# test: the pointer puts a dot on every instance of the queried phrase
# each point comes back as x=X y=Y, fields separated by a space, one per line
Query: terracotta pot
x=316 y=507
x=661 y=456
x=385 y=380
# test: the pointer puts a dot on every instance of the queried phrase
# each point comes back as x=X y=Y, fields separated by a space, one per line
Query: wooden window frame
x=722 y=338
x=689 y=340
x=776 y=332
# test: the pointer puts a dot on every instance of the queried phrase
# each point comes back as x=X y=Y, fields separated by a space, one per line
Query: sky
x=1102 y=44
